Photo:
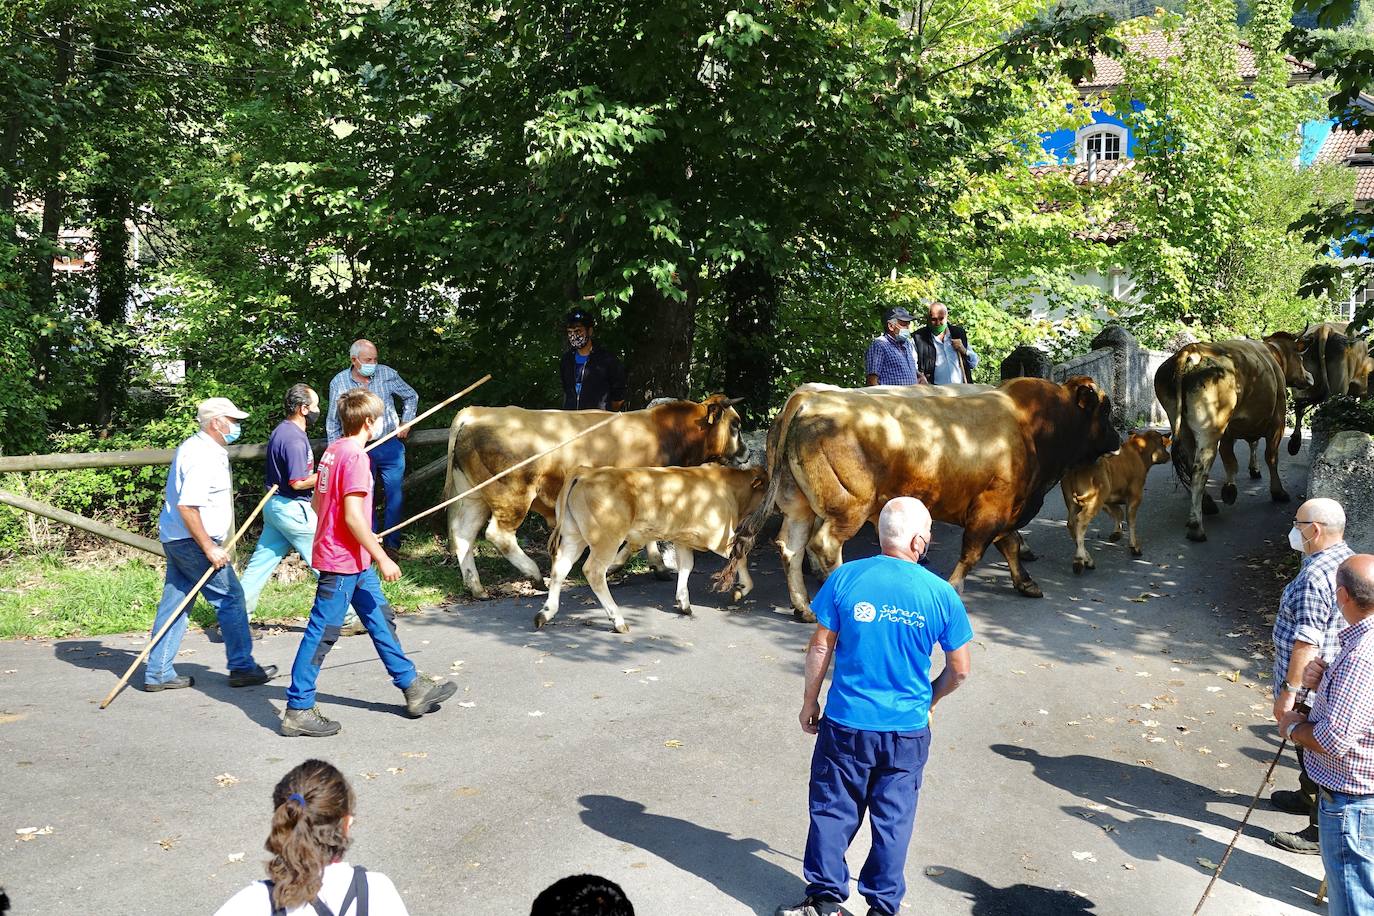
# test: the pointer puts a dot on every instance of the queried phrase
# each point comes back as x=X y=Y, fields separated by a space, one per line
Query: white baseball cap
x=217 y=407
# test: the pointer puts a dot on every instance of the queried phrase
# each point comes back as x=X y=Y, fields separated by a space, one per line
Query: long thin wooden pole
x=81 y=522
x=495 y=477
x=440 y=406
x=185 y=602
x=1243 y=821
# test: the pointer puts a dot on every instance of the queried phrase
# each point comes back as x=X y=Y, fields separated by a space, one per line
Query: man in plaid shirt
x=1338 y=737
x=1305 y=629
x=891 y=358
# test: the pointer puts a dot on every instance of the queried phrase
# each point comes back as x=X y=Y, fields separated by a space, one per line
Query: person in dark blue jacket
x=593 y=379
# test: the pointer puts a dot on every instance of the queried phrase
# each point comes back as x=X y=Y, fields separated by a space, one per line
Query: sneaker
x=1290 y=802
x=1304 y=842
x=176 y=683
x=259 y=675
x=308 y=722
x=811 y=906
x=426 y=694
x=352 y=628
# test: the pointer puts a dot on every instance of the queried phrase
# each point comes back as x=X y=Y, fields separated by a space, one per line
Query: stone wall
x=1123 y=369
x=1344 y=471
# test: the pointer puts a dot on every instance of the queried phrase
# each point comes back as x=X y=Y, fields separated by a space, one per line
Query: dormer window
x=1101 y=143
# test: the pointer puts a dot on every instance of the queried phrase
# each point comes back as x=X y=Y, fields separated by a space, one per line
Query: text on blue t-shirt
x=889 y=614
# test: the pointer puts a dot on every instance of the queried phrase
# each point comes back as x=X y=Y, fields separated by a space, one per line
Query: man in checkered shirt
x=1305 y=629
x=1338 y=738
x=891 y=358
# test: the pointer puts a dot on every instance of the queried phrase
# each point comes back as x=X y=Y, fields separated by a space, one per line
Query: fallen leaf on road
x=1150 y=723
x=672 y=743
x=1206 y=863
x=467 y=704
x=534 y=714
x=168 y=842
x=1044 y=712
x=630 y=670
x=1234 y=635
x=1232 y=676
x=933 y=871
x=368 y=775
x=1224 y=766
x=25 y=834
x=226 y=780
x=1142 y=674
x=1213 y=689
x=395 y=771
x=465 y=791
x=236 y=856
x=1128 y=866
x=415 y=754
x=1085 y=857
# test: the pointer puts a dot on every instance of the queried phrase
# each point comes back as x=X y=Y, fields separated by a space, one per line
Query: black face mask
x=311 y=417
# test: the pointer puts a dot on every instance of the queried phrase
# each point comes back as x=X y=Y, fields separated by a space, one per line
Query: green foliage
x=1345 y=412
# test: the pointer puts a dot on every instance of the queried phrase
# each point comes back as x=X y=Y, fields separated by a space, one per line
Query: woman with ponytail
x=307 y=876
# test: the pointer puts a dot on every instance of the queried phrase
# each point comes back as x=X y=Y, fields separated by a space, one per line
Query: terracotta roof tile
x=1105 y=172
x=1109 y=73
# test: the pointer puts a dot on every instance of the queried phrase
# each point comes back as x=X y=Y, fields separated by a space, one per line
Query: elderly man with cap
x=943 y=353
x=593 y=379
x=890 y=359
x=197 y=512
x=388 y=459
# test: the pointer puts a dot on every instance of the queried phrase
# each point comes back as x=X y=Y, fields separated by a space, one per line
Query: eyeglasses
x=1298 y=521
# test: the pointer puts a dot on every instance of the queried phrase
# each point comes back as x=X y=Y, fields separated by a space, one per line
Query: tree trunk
x=751 y=298
x=9 y=152
x=112 y=208
x=41 y=283
x=658 y=361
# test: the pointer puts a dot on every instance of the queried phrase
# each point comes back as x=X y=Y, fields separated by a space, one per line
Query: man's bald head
x=904 y=528
x=1356 y=576
x=1326 y=512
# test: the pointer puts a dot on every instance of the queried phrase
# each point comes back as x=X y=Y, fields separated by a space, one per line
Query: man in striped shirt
x=389 y=458
x=1306 y=628
x=1338 y=737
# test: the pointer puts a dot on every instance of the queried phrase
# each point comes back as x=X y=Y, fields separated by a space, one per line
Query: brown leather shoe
x=1304 y=842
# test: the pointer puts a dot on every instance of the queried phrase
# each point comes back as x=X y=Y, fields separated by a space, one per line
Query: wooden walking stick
x=1243 y=821
x=186 y=602
x=495 y=477
x=440 y=406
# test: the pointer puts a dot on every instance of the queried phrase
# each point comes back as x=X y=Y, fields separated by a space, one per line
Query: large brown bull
x=1218 y=393
x=1338 y=364
x=982 y=461
x=484 y=441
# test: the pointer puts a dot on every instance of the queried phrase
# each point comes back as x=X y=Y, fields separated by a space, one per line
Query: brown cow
x=1338 y=365
x=1218 y=393
x=1115 y=482
x=605 y=508
x=983 y=461
x=484 y=441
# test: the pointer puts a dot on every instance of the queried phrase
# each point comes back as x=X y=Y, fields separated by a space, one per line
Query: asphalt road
x=1099 y=756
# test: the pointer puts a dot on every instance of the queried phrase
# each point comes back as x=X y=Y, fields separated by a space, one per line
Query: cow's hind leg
x=654 y=555
x=1295 y=440
x=465 y=520
x=792 y=541
x=1115 y=513
x=1271 y=457
x=594 y=568
x=1131 y=509
x=1229 y=463
x=744 y=584
x=501 y=532
x=1254 y=459
x=1203 y=457
x=570 y=547
x=684 y=569
x=1080 y=517
x=1010 y=546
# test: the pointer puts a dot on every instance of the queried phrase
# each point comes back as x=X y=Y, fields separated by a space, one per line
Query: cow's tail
x=749 y=527
x=450 y=483
x=1194 y=371
x=560 y=512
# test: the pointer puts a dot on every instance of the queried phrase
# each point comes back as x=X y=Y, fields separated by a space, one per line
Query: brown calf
x=1113 y=482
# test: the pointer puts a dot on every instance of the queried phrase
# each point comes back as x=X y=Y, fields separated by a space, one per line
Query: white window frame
x=1093 y=130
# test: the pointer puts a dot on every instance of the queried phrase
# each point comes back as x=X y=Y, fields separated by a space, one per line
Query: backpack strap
x=356 y=894
x=320 y=908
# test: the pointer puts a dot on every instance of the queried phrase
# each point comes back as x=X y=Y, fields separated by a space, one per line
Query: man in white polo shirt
x=195 y=518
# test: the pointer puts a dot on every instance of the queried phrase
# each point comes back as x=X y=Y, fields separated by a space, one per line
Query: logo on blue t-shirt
x=865 y=612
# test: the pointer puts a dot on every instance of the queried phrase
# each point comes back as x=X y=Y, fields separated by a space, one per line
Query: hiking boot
x=1290 y=802
x=176 y=683
x=811 y=906
x=308 y=722
x=426 y=694
x=1304 y=842
x=352 y=627
x=251 y=678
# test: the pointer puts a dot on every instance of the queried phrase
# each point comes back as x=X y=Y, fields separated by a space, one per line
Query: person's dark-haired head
x=313 y=808
x=582 y=895
x=297 y=396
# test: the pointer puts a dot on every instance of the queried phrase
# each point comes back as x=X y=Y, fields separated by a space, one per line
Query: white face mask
x=1295 y=539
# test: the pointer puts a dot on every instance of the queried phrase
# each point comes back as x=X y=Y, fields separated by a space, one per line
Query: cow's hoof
x=1195 y=533
x=685 y=610
x=1137 y=552
x=1078 y=567
x=1294 y=445
x=622 y=628
x=1280 y=496
x=1114 y=536
x=1028 y=556
x=541 y=619
x=737 y=596
x=1029 y=589
x=664 y=575
x=804 y=616
x=1255 y=474
x=479 y=594
x=1209 y=505
x=1228 y=494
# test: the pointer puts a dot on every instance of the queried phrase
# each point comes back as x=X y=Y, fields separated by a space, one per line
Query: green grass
x=49 y=596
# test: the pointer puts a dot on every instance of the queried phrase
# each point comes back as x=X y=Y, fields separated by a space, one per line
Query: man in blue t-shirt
x=288 y=519
x=880 y=619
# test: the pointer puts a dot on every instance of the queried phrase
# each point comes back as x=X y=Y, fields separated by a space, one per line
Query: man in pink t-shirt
x=343 y=552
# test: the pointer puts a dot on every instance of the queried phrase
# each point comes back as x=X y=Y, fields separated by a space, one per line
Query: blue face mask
x=367 y=370
x=233 y=434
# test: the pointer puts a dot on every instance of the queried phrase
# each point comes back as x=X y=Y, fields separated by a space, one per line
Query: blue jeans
x=853 y=772
x=1346 y=827
x=186 y=563
x=388 y=467
x=286 y=523
x=333 y=596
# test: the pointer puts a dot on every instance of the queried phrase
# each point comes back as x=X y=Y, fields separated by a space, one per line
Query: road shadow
x=1015 y=900
x=1140 y=809
x=727 y=862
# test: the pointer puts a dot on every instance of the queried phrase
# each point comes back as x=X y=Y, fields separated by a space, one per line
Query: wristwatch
x=1289 y=688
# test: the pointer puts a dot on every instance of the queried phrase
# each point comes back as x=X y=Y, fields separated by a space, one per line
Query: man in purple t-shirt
x=288 y=519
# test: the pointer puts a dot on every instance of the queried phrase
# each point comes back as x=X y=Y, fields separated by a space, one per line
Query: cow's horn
x=731 y=402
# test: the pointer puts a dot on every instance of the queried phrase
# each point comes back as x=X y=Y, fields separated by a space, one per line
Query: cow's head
x=1359 y=380
x=1152 y=445
x=1288 y=351
x=1095 y=409
x=721 y=428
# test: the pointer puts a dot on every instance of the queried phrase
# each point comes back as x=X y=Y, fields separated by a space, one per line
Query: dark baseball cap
x=579 y=317
x=897 y=314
